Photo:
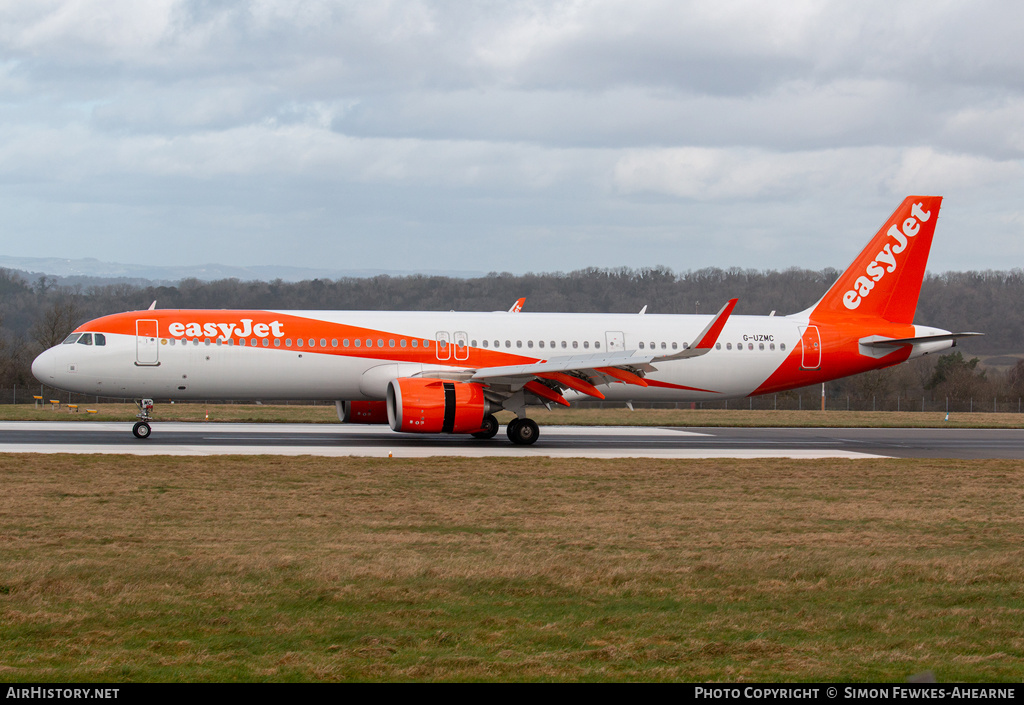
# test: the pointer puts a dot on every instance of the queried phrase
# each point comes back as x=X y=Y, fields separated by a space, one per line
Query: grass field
x=273 y=568
x=268 y=413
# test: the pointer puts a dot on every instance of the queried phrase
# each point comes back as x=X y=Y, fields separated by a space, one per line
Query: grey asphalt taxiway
x=171 y=438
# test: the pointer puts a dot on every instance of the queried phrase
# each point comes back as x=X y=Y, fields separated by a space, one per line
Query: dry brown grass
x=329 y=569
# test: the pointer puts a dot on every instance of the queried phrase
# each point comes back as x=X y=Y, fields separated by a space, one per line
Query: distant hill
x=94 y=268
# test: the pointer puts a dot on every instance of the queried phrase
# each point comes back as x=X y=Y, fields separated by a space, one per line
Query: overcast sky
x=507 y=136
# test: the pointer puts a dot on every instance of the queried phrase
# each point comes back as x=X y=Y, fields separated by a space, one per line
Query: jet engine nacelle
x=362 y=411
x=423 y=405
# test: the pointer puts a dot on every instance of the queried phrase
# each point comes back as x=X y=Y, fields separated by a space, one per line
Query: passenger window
x=597 y=343
x=663 y=346
x=519 y=343
x=415 y=343
x=402 y=342
x=277 y=342
x=641 y=345
x=728 y=346
x=508 y=343
x=575 y=344
x=358 y=342
x=540 y=343
x=718 y=346
x=760 y=346
x=782 y=346
x=674 y=346
x=529 y=343
x=563 y=345
x=334 y=342
x=485 y=343
x=586 y=344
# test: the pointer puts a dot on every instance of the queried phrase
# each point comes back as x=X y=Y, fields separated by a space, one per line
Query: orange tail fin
x=885 y=279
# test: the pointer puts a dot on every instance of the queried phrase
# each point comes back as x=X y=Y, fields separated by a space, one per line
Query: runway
x=555 y=441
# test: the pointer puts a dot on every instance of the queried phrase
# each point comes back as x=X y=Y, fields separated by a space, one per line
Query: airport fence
x=27 y=395
x=812 y=402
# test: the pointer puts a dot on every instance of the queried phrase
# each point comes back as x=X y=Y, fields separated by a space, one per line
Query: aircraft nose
x=44 y=366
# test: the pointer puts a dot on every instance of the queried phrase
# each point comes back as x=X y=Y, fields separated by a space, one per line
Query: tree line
x=37 y=312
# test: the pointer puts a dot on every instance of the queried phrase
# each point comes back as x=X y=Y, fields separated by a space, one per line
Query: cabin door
x=147 y=342
x=810 y=342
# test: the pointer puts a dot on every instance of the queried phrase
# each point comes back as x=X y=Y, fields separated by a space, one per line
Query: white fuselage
x=749 y=350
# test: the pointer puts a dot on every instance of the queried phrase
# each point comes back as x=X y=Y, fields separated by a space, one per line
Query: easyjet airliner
x=427 y=372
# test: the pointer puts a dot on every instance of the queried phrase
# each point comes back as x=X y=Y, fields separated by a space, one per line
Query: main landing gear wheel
x=142 y=430
x=488 y=428
x=523 y=432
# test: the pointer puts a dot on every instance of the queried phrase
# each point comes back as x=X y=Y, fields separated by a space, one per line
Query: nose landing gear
x=142 y=428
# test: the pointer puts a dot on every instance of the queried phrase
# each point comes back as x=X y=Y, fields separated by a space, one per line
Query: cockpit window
x=100 y=338
x=86 y=339
x=72 y=338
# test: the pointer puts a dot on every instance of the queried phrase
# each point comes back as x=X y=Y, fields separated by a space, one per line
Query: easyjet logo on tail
x=886 y=261
x=226 y=330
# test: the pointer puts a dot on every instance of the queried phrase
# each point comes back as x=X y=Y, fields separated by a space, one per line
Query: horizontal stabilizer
x=896 y=342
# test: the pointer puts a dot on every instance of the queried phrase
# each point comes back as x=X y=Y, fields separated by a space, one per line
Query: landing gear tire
x=510 y=430
x=523 y=432
x=488 y=428
x=141 y=430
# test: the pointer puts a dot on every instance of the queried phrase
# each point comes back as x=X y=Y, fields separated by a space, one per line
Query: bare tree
x=58 y=321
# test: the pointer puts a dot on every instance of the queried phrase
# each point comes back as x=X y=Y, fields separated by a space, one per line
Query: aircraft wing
x=582 y=372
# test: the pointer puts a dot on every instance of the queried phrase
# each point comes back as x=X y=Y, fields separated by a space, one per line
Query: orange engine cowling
x=362 y=411
x=435 y=406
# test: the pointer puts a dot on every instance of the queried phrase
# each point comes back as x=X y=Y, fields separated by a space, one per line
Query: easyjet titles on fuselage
x=227 y=330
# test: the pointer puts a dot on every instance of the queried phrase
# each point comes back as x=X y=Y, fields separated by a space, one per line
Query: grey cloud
x=308 y=130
